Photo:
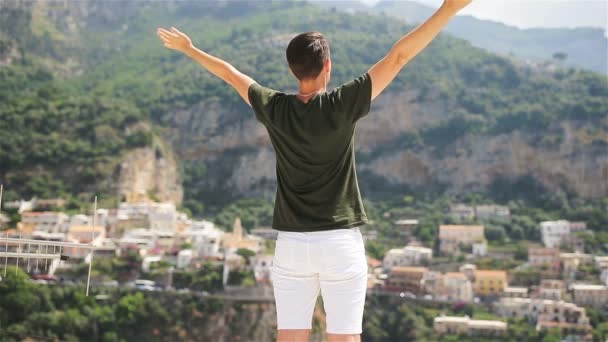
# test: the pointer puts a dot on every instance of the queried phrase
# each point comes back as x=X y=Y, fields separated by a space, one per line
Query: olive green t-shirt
x=315 y=151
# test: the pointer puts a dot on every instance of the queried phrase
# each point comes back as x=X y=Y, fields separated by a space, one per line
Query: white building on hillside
x=489 y=211
x=590 y=295
x=47 y=221
x=466 y=326
x=556 y=233
x=407 y=256
x=206 y=239
x=158 y=216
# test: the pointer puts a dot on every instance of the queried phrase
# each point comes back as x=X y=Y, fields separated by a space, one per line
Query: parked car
x=145 y=285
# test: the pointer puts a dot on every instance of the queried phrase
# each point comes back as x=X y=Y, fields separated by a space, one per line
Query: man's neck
x=309 y=88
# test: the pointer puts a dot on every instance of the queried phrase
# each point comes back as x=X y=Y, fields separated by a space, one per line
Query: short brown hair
x=306 y=55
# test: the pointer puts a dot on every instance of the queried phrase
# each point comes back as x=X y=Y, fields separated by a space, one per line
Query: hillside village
x=566 y=280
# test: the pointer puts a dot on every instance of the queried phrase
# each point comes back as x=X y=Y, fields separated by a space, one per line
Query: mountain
x=582 y=47
x=457 y=119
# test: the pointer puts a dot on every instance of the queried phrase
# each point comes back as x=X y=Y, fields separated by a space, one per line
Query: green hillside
x=66 y=133
x=580 y=45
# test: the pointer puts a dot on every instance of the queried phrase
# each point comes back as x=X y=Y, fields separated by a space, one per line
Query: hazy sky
x=536 y=13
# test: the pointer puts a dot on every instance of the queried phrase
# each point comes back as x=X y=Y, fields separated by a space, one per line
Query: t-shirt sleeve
x=354 y=98
x=262 y=100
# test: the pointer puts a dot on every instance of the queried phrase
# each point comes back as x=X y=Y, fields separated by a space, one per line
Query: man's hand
x=383 y=72
x=457 y=4
x=174 y=39
x=178 y=41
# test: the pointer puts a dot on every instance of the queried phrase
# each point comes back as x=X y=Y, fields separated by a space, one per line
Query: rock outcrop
x=145 y=174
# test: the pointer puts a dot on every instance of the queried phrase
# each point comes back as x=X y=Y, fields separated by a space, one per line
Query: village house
x=407 y=256
x=407 y=224
x=405 y=279
x=553 y=232
x=489 y=282
x=46 y=221
x=515 y=292
x=165 y=242
x=601 y=262
x=79 y=220
x=149 y=215
x=469 y=271
x=553 y=289
x=590 y=295
x=406 y=227
x=545 y=313
x=101 y=219
x=492 y=211
x=458 y=287
x=141 y=240
x=92 y=235
x=433 y=285
x=22 y=206
x=544 y=258
x=49 y=203
x=376 y=277
x=205 y=239
x=106 y=249
x=480 y=249
x=452 y=237
x=466 y=326
x=184 y=258
x=162 y=217
x=556 y=234
x=571 y=262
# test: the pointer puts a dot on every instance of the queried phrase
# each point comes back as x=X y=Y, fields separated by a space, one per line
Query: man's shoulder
x=256 y=87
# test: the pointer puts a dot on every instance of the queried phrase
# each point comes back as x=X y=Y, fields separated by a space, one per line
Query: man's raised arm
x=383 y=73
x=177 y=40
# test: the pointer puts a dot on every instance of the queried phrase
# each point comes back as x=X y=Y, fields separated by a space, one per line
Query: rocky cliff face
x=568 y=160
x=239 y=158
x=145 y=174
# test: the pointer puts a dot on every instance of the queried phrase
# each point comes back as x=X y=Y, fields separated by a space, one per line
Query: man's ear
x=328 y=65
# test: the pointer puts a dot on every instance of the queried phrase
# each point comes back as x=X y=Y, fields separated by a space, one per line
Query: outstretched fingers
x=176 y=31
x=174 y=39
x=162 y=31
x=166 y=37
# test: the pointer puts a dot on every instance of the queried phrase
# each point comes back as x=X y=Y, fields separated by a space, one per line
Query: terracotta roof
x=490 y=273
x=78 y=229
x=406 y=269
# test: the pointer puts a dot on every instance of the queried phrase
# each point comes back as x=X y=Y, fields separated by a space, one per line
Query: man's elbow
x=401 y=59
x=229 y=76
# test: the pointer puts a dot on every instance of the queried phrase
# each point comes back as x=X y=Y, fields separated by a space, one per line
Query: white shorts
x=331 y=262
